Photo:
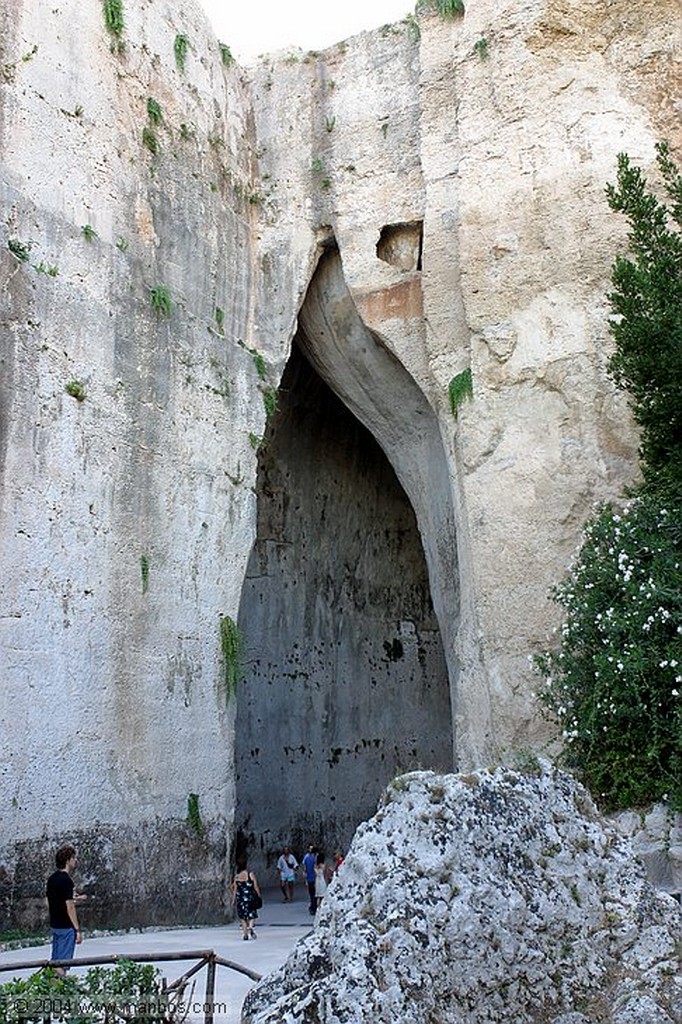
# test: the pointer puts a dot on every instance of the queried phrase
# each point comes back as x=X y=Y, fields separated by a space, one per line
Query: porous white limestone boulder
x=656 y=837
x=496 y=896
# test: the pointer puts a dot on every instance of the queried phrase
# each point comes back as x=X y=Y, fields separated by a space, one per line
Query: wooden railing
x=205 y=958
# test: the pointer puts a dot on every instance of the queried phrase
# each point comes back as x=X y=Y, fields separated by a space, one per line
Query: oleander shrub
x=615 y=682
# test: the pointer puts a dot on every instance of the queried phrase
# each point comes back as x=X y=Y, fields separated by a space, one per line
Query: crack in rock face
x=495 y=897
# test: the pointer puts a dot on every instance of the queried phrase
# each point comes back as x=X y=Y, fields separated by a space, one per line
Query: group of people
x=246 y=895
x=316 y=872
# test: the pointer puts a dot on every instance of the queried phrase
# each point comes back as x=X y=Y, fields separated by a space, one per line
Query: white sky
x=262 y=26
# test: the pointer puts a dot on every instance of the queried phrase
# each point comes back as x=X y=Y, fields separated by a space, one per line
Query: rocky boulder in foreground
x=491 y=897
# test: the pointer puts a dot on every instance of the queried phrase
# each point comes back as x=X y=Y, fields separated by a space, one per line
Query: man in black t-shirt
x=61 y=901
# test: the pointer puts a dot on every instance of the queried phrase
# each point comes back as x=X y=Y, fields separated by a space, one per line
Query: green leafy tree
x=615 y=681
x=647 y=301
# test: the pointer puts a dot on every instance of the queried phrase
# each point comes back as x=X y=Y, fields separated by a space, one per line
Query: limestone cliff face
x=410 y=204
x=126 y=518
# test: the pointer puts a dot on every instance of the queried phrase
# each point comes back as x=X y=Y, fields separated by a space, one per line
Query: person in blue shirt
x=308 y=864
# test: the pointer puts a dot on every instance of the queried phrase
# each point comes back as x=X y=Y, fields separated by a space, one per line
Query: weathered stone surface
x=127 y=519
x=112 y=702
x=135 y=876
x=489 y=897
x=656 y=837
x=345 y=682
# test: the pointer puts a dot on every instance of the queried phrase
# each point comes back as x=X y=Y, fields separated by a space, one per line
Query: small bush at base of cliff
x=127 y=992
x=615 y=684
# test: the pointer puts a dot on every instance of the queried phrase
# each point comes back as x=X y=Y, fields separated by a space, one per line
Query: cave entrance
x=346 y=681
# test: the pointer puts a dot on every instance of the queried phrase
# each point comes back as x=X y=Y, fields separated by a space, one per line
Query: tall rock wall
x=454 y=173
x=490 y=139
x=126 y=517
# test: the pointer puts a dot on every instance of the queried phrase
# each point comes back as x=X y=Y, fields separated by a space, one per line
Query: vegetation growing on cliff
x=231 y=646
x=194 y=815
x=113 y=19
x=144 y=572
x=51 y=269
x=149 y=140
x=20 y=250
x=154 y=111
x=614 y=683
x=226 y=55
x=460 y=387
x=76 y=390
x=22 y=253
x=446 y=8
x=270 y=401
x=180 y=48
x=161 y=300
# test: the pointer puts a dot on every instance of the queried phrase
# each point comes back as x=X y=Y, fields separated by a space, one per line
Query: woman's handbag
x=257 y=900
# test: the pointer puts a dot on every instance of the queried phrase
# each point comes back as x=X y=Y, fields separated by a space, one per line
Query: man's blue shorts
x=63 y=943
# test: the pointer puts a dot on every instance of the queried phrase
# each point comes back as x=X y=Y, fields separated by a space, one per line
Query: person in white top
x=320 y=879
x=287 y=865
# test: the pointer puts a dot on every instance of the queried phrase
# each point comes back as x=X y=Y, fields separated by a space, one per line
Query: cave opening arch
x=350 y=603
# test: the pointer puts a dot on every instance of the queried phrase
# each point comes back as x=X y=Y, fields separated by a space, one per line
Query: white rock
x=481 y=898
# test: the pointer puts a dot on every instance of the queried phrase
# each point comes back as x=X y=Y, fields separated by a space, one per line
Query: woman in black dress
x=244 y=891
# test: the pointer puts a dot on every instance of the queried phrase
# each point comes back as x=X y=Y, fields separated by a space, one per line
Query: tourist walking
x=320 y=880
x=287 y=865
x=246 y=898
x=309 y=867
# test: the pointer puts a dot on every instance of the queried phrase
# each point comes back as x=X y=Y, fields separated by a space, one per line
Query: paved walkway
x=279 y=927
